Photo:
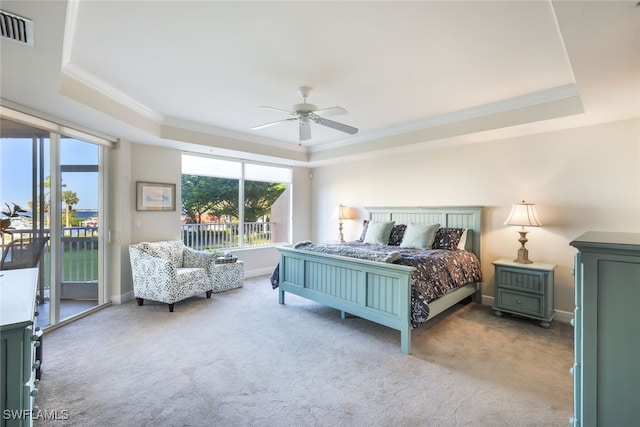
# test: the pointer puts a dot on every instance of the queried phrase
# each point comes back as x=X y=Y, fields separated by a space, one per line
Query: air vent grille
x=16 y=28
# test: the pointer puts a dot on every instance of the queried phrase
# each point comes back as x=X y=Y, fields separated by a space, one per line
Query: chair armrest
x=198 y=259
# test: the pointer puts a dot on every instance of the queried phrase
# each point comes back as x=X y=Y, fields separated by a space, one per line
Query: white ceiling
x=192 y=74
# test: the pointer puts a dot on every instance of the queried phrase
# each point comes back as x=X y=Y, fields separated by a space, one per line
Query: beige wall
x=132 y=162
x=580 y=179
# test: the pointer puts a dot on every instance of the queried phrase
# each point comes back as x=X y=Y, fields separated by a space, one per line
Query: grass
x=77 y=266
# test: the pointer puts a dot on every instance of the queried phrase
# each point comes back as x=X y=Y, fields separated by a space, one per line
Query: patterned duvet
x=438 y=271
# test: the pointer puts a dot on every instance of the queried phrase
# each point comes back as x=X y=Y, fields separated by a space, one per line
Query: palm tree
x=69 y=198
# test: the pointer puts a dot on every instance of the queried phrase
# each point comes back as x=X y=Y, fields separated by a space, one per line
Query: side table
x=524 y=289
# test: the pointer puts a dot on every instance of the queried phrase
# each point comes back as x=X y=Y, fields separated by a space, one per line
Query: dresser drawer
x=520 y=302
x=522 y=281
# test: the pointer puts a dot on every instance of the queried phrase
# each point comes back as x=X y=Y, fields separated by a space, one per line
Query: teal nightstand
x=524 y=289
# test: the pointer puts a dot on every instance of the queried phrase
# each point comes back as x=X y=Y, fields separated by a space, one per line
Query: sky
x=16 y=166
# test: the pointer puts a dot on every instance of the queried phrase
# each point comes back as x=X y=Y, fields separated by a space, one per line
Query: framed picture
x=155 y=196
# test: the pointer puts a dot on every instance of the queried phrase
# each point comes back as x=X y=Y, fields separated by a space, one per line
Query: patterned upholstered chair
x=170 y=272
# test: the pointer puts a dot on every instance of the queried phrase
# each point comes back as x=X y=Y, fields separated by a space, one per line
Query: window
x=229 y=203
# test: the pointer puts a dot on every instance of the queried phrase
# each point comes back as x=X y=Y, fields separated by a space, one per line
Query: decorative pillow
x=365 y=224
x=462 y=244
x=419 y=236
x=378 y=232
x=448 y=238
x=396 y=234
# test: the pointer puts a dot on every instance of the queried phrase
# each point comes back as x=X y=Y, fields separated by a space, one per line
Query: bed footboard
x=375 y=291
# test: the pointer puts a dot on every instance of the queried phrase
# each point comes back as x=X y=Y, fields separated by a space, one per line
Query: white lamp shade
x=523 y=214
x=343 y=212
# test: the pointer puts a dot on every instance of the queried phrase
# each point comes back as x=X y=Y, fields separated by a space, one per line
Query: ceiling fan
x=306 y=113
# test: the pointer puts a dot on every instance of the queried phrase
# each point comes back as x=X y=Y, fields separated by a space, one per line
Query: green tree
x=219 y=197
x=205 y=194
x=69 y=198
x=258 y=198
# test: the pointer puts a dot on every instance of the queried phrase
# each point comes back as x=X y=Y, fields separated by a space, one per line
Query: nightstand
x=524 y=289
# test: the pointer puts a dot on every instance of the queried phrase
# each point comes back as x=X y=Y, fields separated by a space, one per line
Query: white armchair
x=170 y=272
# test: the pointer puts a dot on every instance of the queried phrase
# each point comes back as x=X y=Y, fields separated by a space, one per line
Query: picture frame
x=155 y=196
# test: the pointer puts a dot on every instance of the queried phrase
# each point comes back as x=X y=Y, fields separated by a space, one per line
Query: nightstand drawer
x=520 y=302
x=521 y=281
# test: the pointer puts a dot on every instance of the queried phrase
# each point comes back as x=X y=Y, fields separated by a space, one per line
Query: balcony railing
x=79 y=254
x=222 y=235
x=80 y=247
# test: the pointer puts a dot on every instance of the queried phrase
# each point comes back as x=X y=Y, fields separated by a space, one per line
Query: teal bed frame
x=377 y=291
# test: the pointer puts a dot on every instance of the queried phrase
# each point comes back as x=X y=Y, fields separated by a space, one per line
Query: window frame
x=242 y=179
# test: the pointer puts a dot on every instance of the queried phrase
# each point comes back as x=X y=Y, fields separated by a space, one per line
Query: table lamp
x=343 y=213
x=523 y=215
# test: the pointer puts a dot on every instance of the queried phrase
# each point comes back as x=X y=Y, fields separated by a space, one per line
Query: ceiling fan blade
x=335 y=125
x=281 y=110
x=332 y=111
x=266 y=125
x=305 y=131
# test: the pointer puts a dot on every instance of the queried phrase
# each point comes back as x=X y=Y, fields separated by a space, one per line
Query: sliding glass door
x=59 y=182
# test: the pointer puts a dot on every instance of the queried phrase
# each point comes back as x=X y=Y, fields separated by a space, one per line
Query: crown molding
x=100 y=86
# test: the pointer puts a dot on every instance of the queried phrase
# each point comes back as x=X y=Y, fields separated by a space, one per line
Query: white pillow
x=419 y=236
x=463 y=240
x=378 y=232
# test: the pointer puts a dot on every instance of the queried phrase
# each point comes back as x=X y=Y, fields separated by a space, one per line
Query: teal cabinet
x=19 y=339
x=606 y=370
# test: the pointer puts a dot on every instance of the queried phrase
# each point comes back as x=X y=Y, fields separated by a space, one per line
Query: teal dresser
x=19 y=339
x=606 y=372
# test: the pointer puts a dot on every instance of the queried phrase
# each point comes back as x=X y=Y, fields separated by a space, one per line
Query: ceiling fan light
x=304 y=108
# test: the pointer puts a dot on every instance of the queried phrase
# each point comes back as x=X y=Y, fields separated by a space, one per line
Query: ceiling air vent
x=16 y=28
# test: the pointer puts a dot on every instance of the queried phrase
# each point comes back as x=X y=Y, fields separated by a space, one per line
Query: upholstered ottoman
x=228 y=276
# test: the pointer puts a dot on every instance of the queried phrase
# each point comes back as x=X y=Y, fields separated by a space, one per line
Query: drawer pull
x=35 y=410
x=573 y=322
x=36 y=365
x=34 y=392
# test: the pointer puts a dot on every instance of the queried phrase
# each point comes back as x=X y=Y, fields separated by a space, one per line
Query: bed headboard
x=469 y=217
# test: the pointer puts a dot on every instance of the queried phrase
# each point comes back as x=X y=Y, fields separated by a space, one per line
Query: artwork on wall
x=155 y=196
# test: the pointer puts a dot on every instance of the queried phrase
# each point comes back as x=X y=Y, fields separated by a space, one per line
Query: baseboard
x=120 y=299
x=258 y=272
x=563 y=316
x=486 y=300
x=560 y=315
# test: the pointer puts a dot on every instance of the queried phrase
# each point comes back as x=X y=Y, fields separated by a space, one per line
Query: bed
x=379 y=291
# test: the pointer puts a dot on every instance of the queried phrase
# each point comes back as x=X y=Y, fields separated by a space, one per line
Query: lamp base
x=523 y=257
x=523 y=253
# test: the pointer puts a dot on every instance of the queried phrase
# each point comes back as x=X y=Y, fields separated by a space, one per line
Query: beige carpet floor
x=241 y=359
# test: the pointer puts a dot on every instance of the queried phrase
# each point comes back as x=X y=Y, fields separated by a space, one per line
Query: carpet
x=241 y=359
